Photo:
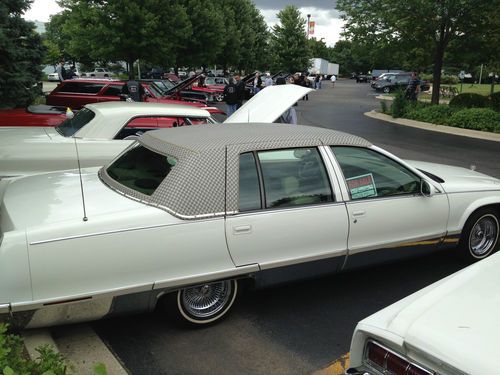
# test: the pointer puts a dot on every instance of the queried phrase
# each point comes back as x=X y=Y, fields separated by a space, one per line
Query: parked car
x=363 y=78
x=216 y=81
x=97 y=133
x=393 y=81
x=100 y=131
x=33 y=115
x=99 y=73
x=437 y=330
x=77 y=93
x=184 y=215
x=53 y=77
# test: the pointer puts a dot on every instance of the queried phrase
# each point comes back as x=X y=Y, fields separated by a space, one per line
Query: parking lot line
x=338 y=367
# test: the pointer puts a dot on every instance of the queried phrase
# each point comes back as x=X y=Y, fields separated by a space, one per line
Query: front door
x=386 y=208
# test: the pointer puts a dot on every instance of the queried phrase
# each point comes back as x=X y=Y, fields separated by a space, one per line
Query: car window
x=71 y=125
x=369 y=174
x=81 y=87
x=249 y=188
x=294 y=177
x=141 y=169
x=113 y=90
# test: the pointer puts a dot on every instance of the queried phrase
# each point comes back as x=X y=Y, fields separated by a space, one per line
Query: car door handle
x=359 y=213
x=242 y=229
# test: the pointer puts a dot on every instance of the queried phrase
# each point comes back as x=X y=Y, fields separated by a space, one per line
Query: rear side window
x=71 y=125
x=249 y=191
x=141 y=169
x=113 y=90
x=81 y=87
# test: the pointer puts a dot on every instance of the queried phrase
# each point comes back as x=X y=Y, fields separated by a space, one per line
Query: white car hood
x=458 y=179
x=455 y=320
x=269 y=104
x=56 y=197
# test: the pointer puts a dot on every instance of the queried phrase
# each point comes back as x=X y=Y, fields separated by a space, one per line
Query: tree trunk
x=436 y=75
x=131 y=72
x=492 y=89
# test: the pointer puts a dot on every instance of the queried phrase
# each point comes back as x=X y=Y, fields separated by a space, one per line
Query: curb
x=494 y=137
x=79 y=344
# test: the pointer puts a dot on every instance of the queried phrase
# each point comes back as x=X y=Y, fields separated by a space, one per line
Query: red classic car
x=78 y=92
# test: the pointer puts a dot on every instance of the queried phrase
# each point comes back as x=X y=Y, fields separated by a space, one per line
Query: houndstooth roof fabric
x=198 y=186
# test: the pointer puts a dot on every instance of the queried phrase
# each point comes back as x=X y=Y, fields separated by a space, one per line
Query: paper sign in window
x=362 y=186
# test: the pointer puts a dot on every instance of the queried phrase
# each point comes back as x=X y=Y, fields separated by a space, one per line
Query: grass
x=482 y=89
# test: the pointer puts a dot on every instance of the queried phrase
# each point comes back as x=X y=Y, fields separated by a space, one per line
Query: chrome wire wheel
x=483 y=236
x=207 y=303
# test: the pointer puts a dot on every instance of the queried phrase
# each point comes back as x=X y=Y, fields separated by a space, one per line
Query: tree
x=207 y=38
x=424 y=28
x=125 y=30
x=319 y=49
x=21 y=53
x=289 y=42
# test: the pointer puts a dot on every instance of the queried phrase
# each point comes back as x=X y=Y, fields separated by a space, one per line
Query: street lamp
x=308 y=24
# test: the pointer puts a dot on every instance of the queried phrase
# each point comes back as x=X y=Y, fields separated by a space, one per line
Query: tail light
x=391 y=363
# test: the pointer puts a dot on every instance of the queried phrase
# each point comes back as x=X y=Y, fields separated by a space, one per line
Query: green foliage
x=399 y=105
x=289 y=42
x=469 y=100
x=422 y=39
x=495 y=101
x=446 y=79
x=435 y=114
x=100 y=369
x=13 y=362
x=21 y=53
x=484 y=119
x=383 y=106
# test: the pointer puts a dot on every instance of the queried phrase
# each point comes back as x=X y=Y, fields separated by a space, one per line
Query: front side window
x=141 y=169
x=369 y=174
x=294 y=177
x=71 y=125
x=81 y=88
x=113 y=90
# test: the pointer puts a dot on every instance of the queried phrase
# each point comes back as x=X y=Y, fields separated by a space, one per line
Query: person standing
x=317 y=82
x=257 y=83
x=240 y=90
x=268 y=81
x=333 y=79
x=61 y=72
x=231 y=97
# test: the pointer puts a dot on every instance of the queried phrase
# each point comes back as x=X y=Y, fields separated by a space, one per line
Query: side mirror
x=427 y=189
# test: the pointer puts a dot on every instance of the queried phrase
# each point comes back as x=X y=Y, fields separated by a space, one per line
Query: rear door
x=288 y=210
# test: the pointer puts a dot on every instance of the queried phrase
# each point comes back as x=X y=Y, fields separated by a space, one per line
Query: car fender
x=462 y=208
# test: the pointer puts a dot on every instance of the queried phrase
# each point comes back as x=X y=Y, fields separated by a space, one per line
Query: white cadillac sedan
x=449 y=328
x=99 y=132
x=184 y=215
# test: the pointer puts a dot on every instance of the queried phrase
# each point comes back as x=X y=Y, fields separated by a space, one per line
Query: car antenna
x=85 y=218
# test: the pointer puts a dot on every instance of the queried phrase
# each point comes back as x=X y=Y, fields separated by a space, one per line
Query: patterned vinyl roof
x=196 y=186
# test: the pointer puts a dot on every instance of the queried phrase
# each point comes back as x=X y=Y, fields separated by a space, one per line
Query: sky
x=323 y=13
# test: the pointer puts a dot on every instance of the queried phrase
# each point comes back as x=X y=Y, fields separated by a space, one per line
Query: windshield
x=163 y=85
x=141 y=169
x=71 y=125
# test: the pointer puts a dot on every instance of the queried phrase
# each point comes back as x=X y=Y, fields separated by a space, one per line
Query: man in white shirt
x=268 y=81
x=333 y=79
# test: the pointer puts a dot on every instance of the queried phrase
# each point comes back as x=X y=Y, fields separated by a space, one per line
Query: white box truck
x=323 y=67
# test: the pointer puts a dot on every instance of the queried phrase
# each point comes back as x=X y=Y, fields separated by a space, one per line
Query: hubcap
x=207 y=300
x=483 y=235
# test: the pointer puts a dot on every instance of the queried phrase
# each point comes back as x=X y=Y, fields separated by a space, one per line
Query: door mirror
x=426 y=189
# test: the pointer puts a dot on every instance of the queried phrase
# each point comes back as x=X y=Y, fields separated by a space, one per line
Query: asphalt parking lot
x=303 y=327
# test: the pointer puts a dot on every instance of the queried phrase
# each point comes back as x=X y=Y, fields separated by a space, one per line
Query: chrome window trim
x=332 y=175
x=339 y=175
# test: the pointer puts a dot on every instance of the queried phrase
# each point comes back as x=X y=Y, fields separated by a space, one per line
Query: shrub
x=469 y=100
x=399 y=104
x=436 y=114
x=484 y=119
x=383 y=106
x=495 y=101
x=12 y=360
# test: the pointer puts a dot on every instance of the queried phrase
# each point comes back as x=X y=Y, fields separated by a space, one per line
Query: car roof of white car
x=207 y=160
x=111 y=116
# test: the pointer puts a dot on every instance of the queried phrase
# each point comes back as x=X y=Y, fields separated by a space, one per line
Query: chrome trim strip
x=311 y=258
x=103 y=233
x=269 y=211
x=201 y=278
x=417 y=241
x=4 y=308
x=79 y=298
